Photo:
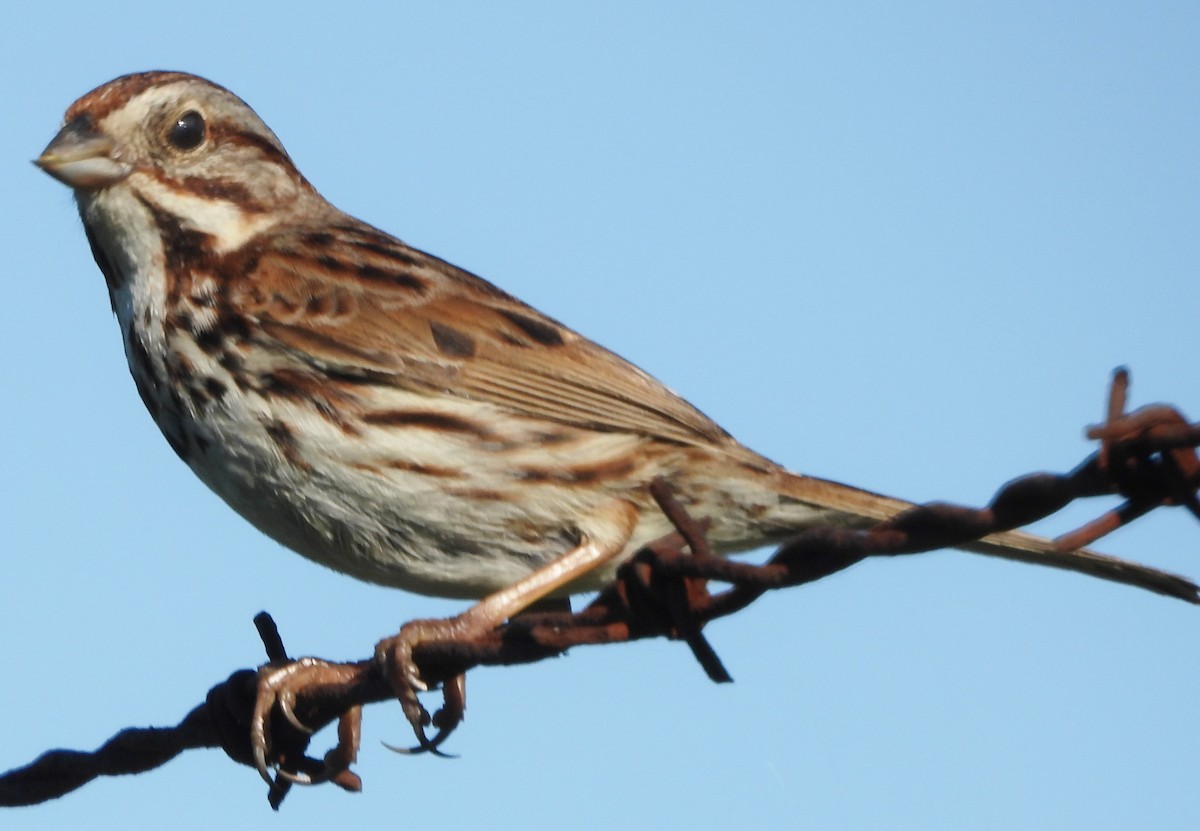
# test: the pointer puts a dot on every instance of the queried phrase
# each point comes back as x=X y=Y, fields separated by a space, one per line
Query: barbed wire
x=1147 y=456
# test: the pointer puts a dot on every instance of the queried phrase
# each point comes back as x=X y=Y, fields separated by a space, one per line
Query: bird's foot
x=280 y=684
x=394 y=657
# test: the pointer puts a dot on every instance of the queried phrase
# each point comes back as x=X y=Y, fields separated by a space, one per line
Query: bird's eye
x=187 y=133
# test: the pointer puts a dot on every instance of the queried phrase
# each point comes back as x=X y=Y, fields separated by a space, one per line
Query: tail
x=856 y=506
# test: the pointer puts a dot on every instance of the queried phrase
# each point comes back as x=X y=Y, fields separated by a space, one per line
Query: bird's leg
x=610 y=534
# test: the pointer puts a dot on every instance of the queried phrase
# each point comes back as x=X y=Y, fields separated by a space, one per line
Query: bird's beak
x=82 y=157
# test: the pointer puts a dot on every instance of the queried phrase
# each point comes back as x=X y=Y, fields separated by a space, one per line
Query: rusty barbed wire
x=1147 y=456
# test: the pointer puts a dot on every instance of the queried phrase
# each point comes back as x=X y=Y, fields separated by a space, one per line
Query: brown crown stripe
x=107 y=98
x=426 y=420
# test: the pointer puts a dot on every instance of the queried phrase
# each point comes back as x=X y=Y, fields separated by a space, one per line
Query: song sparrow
x=381 y=411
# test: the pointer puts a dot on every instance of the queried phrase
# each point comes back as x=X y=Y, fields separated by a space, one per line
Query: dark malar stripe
x=186 y=251
x=112 y=277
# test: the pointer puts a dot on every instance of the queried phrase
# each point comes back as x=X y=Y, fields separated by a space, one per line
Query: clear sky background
x=899 y=245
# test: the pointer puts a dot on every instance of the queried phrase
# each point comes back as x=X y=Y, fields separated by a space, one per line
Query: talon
x=430 y=747
x=260 y=739
x=297 y=778
x=260 y=763
x=287 y=703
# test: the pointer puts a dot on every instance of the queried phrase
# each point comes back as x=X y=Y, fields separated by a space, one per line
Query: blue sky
x=899 y=245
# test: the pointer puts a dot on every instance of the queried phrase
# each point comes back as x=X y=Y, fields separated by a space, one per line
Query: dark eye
x=187 y=133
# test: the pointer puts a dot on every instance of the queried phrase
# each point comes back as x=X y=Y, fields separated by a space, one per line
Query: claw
x=430 y=747
x=297 y=777
x=454 y=704
x=287 y=703
x=445 y=720
x=260 y=738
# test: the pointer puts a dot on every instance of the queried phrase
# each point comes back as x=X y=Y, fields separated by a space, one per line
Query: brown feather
x=396 y=321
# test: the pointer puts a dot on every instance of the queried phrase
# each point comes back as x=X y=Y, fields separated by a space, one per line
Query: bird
x=385 y=413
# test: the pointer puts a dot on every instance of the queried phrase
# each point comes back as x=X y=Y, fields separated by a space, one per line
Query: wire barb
x=1148 y=456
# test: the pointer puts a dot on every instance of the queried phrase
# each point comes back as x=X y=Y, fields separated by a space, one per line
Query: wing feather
x=359 y=301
